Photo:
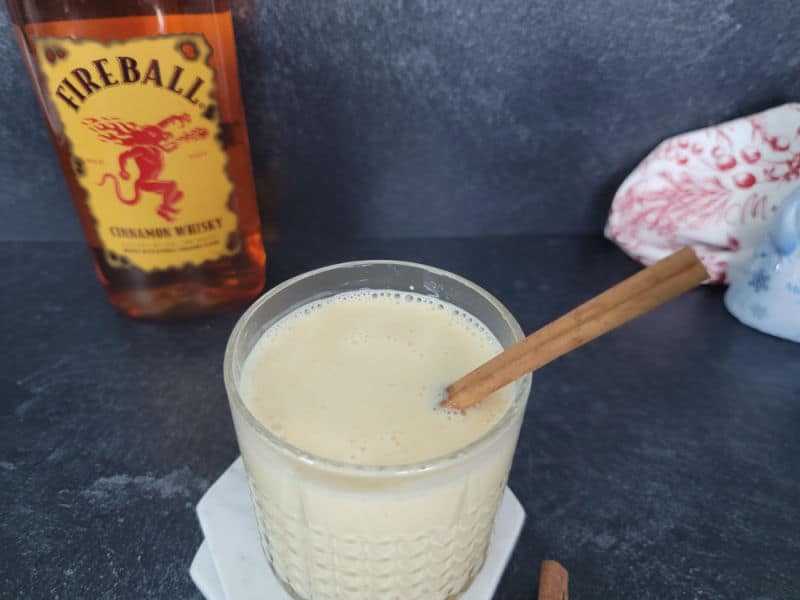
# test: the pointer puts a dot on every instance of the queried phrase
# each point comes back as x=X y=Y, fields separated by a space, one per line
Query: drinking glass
x=333 y=530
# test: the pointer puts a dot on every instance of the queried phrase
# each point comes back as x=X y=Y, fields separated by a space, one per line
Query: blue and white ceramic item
x=766 y=294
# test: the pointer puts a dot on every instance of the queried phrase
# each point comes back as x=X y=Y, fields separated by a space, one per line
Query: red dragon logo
x=148 y=145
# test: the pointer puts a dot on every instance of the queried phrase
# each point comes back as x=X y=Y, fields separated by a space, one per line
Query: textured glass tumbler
x=334 y=531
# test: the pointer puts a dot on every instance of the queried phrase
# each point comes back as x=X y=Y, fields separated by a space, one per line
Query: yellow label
x=141 y=119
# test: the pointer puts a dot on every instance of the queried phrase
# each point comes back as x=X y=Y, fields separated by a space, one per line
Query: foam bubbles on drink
x=359 y=377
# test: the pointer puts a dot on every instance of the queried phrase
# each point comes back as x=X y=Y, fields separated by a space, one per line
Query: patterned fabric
x=716 y=189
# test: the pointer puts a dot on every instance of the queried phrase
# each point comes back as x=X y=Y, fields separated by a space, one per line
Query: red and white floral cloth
x=716 y=189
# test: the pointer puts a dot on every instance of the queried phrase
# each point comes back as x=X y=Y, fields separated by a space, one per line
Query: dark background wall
x=450 y=117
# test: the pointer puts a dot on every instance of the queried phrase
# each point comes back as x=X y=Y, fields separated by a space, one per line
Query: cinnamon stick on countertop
x=553 y=581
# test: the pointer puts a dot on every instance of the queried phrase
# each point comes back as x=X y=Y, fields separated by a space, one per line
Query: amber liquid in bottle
x=191 y=288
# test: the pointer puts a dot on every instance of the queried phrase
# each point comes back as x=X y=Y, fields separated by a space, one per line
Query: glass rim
x=518 y=402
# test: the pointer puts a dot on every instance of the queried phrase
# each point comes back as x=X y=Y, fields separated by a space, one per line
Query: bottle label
x=146 y=144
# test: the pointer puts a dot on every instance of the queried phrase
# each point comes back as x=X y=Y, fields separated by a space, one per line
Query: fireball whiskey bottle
x=142 y=101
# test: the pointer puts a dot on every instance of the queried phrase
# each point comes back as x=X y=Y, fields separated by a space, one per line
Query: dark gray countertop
x=662 y=461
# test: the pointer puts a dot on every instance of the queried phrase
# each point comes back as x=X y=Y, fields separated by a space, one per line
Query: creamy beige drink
x=357 y=378
x=363 y=487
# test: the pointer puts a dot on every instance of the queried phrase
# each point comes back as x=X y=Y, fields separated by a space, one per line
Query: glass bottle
x=143 y=104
